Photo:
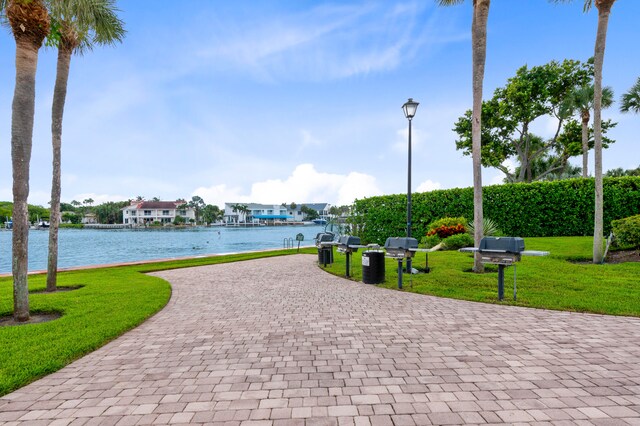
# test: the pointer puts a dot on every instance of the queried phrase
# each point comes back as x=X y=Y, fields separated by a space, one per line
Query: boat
x=320 y=221
x=8 y=225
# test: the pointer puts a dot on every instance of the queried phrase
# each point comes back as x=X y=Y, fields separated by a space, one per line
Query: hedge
x=539 y=209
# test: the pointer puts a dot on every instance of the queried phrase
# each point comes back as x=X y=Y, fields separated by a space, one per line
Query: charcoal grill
x=324 y=243
x=348 y=244
x=503 y=251
x=401 y=248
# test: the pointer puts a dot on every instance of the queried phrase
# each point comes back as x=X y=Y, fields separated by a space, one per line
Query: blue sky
x=295 y=101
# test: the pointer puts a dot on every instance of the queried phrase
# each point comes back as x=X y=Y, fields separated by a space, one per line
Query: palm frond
x=449 y=2
x=95 y=22
x=631 y=100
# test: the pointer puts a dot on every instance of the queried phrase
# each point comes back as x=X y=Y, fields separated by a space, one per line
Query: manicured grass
x=110 y=302
x=551 y=282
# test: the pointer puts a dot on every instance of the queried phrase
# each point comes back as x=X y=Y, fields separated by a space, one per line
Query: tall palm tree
x=78 y=25
x=580 y=101
x=631 y=100
x=604 y=9
x=479 y=44
x=29 y=22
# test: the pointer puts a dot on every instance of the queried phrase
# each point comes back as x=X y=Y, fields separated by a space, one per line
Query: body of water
x=84 y=247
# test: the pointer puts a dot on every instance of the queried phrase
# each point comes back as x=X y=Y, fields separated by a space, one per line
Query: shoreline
x=149 y=261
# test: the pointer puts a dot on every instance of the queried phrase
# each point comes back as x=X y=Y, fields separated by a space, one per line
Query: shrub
x=627 y=231
x=447 y=221
x=489 y=228
x=447 y=226
x=447 y=231
x=458 y=241
x=429 y=241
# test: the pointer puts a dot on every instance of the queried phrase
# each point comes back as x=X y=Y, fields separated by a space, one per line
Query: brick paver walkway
x=279 y=342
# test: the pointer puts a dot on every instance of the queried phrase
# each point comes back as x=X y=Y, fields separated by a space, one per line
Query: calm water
x=82 y=247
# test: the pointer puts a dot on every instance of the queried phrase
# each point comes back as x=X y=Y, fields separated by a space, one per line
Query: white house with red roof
x=148 y=212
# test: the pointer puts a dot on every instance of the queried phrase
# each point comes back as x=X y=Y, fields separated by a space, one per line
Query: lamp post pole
x=409 y=109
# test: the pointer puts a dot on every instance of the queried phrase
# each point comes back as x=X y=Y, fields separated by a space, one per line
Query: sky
x=296 y=101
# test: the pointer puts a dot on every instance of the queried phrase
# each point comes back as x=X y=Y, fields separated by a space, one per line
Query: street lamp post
x=409 y=109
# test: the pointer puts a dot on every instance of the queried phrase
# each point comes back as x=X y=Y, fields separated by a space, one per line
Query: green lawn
x=110 y=302
x=551 y=282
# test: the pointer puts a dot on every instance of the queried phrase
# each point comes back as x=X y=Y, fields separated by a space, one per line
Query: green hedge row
x=540 y=209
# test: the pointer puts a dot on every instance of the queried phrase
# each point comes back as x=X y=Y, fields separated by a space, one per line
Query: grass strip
x=110 y=302
x=564 y=280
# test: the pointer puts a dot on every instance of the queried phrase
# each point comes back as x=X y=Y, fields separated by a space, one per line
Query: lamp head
x=410 y=108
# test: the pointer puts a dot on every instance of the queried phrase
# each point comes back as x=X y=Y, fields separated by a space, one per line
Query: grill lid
x=349 y=240
x=401 y=243
x=324 y=237
x=502 y=244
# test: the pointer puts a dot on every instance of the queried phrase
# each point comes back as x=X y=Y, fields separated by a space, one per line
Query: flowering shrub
x=445 y=231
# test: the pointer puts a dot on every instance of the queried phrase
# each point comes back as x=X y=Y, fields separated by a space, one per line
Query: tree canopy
x=533 y=93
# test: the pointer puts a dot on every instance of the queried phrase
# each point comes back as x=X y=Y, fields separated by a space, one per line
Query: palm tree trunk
x=585 y=145
x=22 y=114
x=479 y=41
x=604 y=8
x=57 y=111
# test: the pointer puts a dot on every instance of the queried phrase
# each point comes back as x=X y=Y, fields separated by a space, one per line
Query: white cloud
x=428 y=185
x=220 y=194
x=304 y=185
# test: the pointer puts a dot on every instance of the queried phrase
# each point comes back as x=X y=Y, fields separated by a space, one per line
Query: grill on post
x=400 y=248
x=503 y=251
x=348 y=244
x=324 y=242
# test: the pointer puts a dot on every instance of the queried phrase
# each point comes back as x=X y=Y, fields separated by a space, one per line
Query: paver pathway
x=279 y=342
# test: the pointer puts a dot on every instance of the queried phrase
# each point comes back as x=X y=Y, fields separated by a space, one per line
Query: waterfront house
x=270 y=213
x=148 y=212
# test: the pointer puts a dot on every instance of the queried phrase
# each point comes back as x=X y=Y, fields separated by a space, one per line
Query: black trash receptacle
x=325 y=255
x=373 y=267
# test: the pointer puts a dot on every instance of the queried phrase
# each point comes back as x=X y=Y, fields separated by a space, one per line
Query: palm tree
x=29 y=21
x=604 y=10
x=78 y=25
x=479 y=44
x=631 y=100
x=581 y=101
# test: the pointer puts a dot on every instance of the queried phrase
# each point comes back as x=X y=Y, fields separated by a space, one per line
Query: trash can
x=373 y=267
x=325 y=255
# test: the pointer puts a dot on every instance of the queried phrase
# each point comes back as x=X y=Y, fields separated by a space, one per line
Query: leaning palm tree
x=631 y=100
x=29 y=22
x=580 y=101
x=479 y=44
x=604 y=9
x=77 y=26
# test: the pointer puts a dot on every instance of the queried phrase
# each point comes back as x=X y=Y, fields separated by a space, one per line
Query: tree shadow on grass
x=34 y=318
x=59 y=289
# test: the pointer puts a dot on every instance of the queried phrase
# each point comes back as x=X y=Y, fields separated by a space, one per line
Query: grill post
x=500 y=282
x=348 y=254
x=400 y=274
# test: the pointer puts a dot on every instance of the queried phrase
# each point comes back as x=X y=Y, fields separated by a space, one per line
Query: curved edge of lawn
x=554 y=282
x=112 y=301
